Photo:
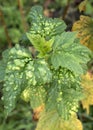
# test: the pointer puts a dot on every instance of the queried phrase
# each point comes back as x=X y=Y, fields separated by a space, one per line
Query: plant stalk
x=5 y=29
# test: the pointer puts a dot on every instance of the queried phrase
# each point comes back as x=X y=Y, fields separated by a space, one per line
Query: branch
x=22 y=15
x=66 y=9
x=5 y=29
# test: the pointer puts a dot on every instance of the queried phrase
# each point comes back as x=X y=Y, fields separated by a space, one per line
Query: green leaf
x=64 y=40
x=2 y=71
x=45 y=27
x=42 y=72
x=3 y=63
x=67 y=61
x=19 y=52
x=64 y=93
x=25 y=73
x=37 y=75
x=43 y=46
x=68 y=53
x=13 y=86
x=14 y=80
x=37 y=72
x=35 y=95
x=15 y=34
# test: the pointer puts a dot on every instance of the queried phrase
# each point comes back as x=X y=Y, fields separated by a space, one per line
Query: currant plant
x=52 y=77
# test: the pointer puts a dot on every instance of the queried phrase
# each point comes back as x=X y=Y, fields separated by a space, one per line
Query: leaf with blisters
x=37 y=72
x=12 y=90
x=45 y=27
x=37 y=75
x=42 y=72
x=64 y=95
x=67 y=61
x=35 y=95
x=15 y=78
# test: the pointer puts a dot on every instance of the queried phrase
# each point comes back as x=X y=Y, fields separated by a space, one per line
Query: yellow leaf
x=84 y=26
x=82 y=6
x=87 y=84
x=52 y=121
x=26 y=94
